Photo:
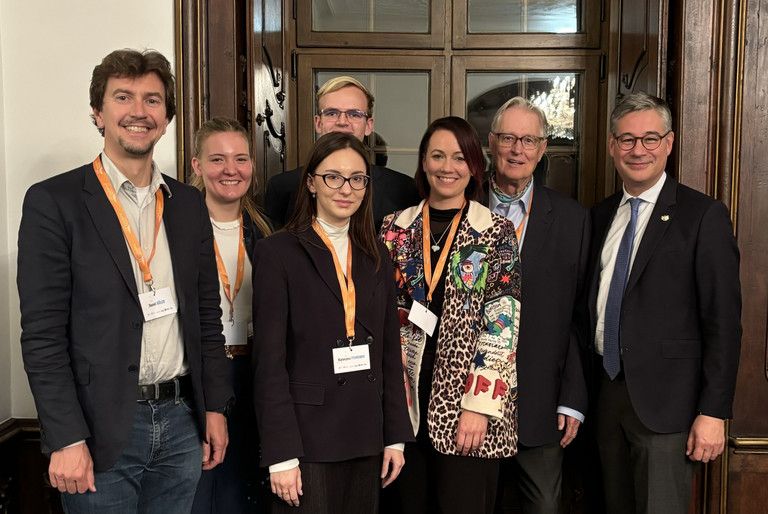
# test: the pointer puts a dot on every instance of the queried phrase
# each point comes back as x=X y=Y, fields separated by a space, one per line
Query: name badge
x=354 y=358
x=235 y=333
x=422 y=317
x=156 y=304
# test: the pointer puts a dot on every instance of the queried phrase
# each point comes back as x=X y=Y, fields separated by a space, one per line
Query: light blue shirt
x=514 y=211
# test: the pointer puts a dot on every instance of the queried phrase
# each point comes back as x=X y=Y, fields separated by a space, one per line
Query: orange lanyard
x=130 y=237
x=346 y=284
x=521 y=226
x=426 y=250
x=231 y=295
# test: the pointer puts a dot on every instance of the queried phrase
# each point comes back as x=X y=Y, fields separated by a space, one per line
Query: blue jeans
x=158 y=470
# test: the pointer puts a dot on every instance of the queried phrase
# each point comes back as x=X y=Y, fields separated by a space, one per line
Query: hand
x=71 y=470
x=287 y=485
x=706 y=440
x=470 y=434
x=392 y=464
x=216 y=439
x=571 y=426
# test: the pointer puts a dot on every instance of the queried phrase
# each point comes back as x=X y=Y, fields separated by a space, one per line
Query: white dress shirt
x=611 y=247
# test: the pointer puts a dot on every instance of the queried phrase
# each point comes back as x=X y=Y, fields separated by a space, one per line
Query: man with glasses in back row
x=665 y=309
x=553 y=236
x=343 y=105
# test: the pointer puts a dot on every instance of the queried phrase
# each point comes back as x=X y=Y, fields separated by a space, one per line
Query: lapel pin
x=665 y=217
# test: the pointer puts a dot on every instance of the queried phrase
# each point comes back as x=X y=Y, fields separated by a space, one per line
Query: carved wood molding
x=191 y=60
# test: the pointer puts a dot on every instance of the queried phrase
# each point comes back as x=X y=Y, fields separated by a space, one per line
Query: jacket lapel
x=174 y=223
x=321 y=260
x=539 y=223
x=365 y=276
x=654 y=231
x=108 y=227
x=602 y=215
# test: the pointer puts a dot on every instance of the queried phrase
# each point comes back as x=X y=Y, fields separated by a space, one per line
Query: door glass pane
x=557 y=95
x=519 y=16
x=406 y=16
x=400 y=114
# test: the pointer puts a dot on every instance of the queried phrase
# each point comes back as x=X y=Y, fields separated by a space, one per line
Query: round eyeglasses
x=650 y=141
x=351 y=114
x=336 y=181
x=509 y=140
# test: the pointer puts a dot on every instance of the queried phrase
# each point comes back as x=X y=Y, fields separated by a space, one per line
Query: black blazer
x=392 y=191
x=303 y=409
x=81 y=318
x=549 y=369
x=680 y=330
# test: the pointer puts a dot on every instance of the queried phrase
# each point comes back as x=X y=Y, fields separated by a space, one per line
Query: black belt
x=179 y=387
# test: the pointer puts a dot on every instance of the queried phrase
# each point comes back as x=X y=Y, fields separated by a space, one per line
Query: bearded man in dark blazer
x=665 y=308
x=553 y=236
x=121 y=333
x=343 y=105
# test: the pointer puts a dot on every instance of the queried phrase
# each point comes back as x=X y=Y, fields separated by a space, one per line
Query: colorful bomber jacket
x=475 y=366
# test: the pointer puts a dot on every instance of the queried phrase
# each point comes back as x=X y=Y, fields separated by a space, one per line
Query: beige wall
x=47 y=53
x=5 y=288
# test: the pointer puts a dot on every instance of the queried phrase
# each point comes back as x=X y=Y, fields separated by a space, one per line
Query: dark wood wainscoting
x=23 y=488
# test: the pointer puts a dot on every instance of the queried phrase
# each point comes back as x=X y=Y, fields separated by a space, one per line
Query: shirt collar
x=650 y=195
x=117 y=178
x=524 y=201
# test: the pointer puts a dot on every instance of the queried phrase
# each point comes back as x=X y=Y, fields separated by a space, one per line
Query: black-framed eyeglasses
x=351 y=114
x=650 y=141
x=508 y=140
x=336 y=181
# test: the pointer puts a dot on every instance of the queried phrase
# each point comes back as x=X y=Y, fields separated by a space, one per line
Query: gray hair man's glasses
x=509 y=140
x=351 y=114
x=336 y=181
x=650 y=141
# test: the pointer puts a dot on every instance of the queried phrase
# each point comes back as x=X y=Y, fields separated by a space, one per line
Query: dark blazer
x=81 y=318
x=303 y=409
x=554 y=259
x=392 y=191
x=680 y=330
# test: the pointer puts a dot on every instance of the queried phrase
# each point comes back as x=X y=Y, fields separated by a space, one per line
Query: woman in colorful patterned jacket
x=458 y=277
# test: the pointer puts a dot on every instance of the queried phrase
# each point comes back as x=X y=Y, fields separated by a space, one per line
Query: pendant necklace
x=436 y=244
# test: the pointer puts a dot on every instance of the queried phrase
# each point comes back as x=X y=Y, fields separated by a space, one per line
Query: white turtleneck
x=339 y=237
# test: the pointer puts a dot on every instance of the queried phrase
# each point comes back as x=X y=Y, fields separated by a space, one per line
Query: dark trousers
x=432 y=483
x=235 y=486
x=538 y=474
x=346 y=487
x=644 y=472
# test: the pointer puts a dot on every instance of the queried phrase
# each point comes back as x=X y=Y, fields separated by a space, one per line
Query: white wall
x=5 y=330
x=47 y=52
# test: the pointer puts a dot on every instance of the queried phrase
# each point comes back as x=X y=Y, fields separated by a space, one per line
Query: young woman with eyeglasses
x=458 y=278
x=328 y=383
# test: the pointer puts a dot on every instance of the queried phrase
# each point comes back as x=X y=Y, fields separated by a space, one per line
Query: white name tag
x=423 y=318
x=235 y=333
x=156 y=304
x=348 y=359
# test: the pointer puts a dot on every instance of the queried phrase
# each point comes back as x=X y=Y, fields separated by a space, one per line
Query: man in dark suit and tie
x=343 y=105
x=553 y=235
x=121 y=332
x=665 y=308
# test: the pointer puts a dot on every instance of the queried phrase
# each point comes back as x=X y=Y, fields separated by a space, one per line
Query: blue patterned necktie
x=611 y=353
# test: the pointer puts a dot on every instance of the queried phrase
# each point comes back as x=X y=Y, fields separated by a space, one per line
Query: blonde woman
x=223 y=169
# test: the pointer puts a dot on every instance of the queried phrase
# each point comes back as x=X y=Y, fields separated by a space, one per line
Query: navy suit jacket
x=392 y=191
x=549 y=369
x=81 y=318
x=680 y=328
